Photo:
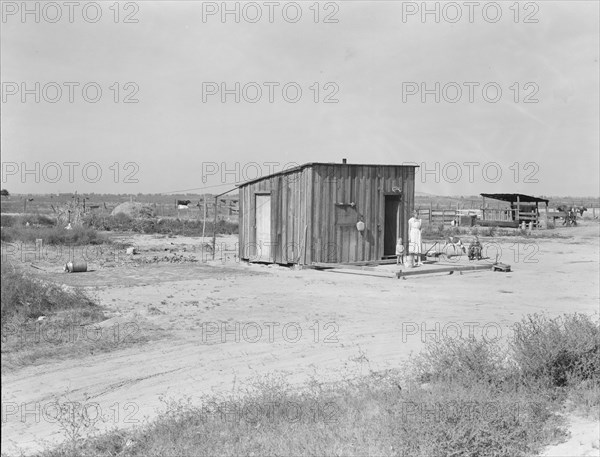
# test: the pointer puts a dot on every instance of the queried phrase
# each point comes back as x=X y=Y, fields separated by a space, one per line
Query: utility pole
x=215 y=228
x=204 y=217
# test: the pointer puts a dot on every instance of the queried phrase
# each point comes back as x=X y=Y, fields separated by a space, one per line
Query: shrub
x=450 y=418
x=123 y=223
x=53 y=235
x=559 y=351
x=23 y=297
x=462 y=360
x=122 y=219
x=370 y=415
x=430 y=232
x=491 y=231
x=68 y=313
x=23 y=220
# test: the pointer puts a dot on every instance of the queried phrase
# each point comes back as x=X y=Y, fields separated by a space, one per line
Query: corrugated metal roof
x=512 y=198
x=310 y=164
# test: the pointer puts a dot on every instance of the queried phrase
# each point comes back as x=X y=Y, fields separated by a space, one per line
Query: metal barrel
x=76 y=267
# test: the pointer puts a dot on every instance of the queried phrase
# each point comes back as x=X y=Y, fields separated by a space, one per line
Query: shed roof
x=310 y=164
x=512 y=198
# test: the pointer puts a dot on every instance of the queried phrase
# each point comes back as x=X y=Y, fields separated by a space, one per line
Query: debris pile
x=176 y=258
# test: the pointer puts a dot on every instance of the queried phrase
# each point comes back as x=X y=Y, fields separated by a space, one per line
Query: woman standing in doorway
x=414 y=238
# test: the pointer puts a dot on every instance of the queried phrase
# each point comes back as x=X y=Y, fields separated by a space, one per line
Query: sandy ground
x=584 y=439
x=313 y=323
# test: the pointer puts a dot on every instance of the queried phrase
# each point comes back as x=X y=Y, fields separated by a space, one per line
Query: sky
x=369 y=74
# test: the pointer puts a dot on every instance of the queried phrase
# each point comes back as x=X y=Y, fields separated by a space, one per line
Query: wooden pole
x=204 y=217
x=215 y=227
x=483 y=209
x=430 y=211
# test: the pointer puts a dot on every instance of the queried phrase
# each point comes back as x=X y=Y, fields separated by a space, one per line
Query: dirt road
x=313 y=324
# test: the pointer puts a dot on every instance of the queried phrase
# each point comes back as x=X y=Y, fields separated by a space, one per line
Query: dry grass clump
x=124 y=223
x=7 y=220
x=28 y=228
x=42 y=321
x=562 y=351
x=77 y=236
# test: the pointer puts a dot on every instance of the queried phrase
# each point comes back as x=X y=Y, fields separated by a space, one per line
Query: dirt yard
x=313 y=323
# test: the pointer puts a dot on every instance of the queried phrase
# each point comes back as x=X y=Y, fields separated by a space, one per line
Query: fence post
x=430 y=211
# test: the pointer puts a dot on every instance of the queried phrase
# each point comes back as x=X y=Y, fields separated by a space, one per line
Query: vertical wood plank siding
x=303 y=211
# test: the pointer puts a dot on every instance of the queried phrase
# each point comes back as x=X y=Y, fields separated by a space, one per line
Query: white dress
x=414 y=236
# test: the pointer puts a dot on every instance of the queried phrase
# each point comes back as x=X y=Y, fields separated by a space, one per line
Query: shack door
x=346 y=235
x=392 y=224
x=263 y=228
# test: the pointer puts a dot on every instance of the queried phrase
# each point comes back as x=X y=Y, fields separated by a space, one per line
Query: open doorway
x=392 y=224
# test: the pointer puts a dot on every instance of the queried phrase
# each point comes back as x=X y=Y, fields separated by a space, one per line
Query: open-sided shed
x=311 y=213
x=523 y=208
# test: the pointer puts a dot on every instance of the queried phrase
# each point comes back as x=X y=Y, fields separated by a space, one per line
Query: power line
x=196 y=188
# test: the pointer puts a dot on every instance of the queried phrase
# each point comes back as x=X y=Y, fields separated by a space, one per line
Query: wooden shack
x=311 y=213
